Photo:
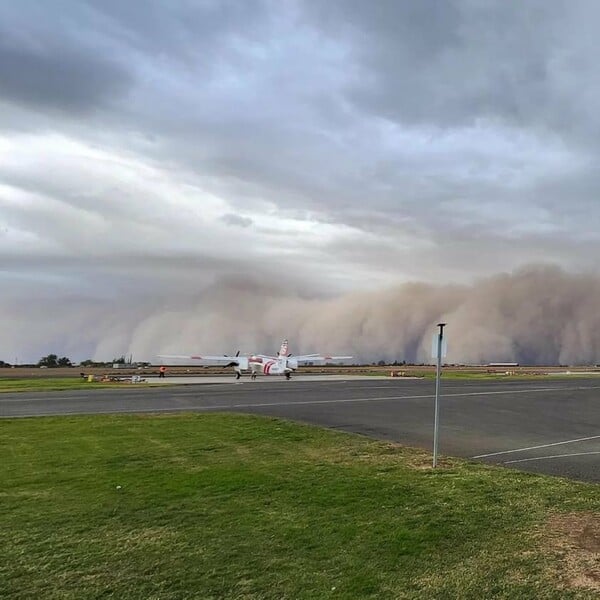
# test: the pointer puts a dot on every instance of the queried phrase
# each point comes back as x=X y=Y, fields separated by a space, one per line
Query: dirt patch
x=574 y=538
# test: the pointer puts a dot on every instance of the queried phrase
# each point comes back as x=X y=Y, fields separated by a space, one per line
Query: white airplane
x=282 y=364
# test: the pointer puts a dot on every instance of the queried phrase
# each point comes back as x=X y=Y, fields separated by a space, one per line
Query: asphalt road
x=548 y=426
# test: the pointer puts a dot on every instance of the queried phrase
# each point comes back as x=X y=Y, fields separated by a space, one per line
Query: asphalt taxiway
x=548 y=425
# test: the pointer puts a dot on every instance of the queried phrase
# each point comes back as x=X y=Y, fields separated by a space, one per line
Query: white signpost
x=439 y=350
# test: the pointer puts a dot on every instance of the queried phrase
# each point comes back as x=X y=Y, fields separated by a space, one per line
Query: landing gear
x=253 y=376
x=237 y=375
x=288 y=376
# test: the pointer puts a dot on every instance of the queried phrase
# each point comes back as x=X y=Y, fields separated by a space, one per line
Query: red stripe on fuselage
x=267 y=367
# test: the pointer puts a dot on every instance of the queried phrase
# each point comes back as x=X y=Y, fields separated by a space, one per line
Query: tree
x=4 y=364
x=49 y=361
x=52 y=361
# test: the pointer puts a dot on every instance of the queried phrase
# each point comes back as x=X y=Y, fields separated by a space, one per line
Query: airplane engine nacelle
x=242 y=362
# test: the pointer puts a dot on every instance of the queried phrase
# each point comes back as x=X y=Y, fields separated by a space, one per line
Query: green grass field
x=229 y=506
x=46 y=384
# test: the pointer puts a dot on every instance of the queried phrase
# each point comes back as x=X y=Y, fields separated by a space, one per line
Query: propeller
x=233 y=363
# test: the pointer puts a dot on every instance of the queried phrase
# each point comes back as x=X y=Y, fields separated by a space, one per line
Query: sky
x=180 y=174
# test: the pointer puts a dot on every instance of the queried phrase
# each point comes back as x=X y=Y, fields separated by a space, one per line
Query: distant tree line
x=384 y=363
x=52 y=361
x=99 y=363
x=122 y=360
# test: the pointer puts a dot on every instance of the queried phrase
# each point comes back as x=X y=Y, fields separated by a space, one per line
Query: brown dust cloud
x=538 y=315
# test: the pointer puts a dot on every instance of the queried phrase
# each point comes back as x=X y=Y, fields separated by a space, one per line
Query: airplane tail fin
x=283 y=351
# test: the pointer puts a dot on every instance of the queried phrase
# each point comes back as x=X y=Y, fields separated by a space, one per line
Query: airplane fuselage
x=261 y=365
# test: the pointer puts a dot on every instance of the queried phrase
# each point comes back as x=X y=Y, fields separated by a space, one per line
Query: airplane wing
x=320 y=358
x=204 y=358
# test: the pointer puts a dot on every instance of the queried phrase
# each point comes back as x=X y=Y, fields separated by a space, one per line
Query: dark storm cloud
x=75 y=56
x=55 y=76
x=451 y=62
x=181 y=29
x=48 y=60
x=415 y=106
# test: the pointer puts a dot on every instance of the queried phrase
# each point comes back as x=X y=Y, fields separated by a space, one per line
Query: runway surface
x=547 y=426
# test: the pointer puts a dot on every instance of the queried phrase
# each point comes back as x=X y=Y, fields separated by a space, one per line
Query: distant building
x=502 y=364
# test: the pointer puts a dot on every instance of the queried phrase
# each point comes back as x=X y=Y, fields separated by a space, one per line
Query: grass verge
x=229 y=506
x=57 y=384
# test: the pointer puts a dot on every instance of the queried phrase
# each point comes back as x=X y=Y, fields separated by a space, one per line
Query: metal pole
x=438 y=373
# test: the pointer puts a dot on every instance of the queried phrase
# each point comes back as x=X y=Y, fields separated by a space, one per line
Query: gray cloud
x=47 y=66
x=236 y=220
x=58 y=78
x=451 y=63
x=367 y=144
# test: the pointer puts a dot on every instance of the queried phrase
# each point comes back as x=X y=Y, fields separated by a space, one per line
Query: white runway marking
x=511 y=462
x=585 y=439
